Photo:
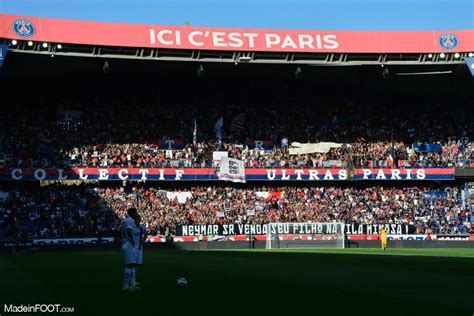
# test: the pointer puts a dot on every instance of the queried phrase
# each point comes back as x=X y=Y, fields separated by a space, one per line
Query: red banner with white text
x=232 y=39
x=209 y=174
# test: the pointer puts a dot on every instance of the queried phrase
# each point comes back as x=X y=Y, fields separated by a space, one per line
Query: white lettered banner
x=232 y=169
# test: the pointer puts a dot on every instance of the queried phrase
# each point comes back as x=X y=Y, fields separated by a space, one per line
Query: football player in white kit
x=140 y=236
x=129 y=242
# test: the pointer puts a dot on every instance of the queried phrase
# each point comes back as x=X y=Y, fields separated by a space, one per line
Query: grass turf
x=253 y=282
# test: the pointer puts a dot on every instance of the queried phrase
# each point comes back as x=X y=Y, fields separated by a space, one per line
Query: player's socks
x=127 y=277
x=135 y=284
x=133 y=278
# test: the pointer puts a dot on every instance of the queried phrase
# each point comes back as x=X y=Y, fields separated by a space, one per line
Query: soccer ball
x=182 y=282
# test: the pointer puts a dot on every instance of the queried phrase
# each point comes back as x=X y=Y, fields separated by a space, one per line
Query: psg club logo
x=23 y=28
x=448 y=41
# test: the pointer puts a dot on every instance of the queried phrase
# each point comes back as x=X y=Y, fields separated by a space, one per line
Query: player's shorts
x=129 y=254
x=139 y=256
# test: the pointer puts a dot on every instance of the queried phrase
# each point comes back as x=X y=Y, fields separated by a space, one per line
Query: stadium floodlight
x=45 y=45
x=106 y=67
x=470 y=54
x=200 y=71
x=430 y=55
x=59 y=46
x=457 y=55
x=299 y=73
x=14 y=42
x=442 y=55
x=30 y=43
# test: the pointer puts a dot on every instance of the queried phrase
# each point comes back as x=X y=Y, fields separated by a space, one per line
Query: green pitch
x=301 y=282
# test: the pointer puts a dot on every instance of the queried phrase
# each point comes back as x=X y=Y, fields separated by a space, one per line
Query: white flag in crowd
x=309 y=148
x=182 y=197
x=232 y=170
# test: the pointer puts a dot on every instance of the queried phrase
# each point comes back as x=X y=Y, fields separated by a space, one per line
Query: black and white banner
x=56 y=241
x=15 y=243
x=291 y=228
x=73 y=241
x=407 y=237
x=453 y=237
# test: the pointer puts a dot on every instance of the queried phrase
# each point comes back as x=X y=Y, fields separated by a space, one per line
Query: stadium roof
x=298 y=32
x=94 y=39
x=342 y=15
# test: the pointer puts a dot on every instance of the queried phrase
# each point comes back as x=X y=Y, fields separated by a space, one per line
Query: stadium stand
x=80 y=211
x=78 y=137
x=113 y=122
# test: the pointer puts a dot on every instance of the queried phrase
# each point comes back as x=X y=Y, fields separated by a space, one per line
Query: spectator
x=79 y=211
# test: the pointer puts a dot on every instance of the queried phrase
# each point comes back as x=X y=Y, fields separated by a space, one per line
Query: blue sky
x=273 y=14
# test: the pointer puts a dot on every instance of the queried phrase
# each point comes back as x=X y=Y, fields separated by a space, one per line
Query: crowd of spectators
x=85 y=211
x=54 y=212
x=102 y=133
